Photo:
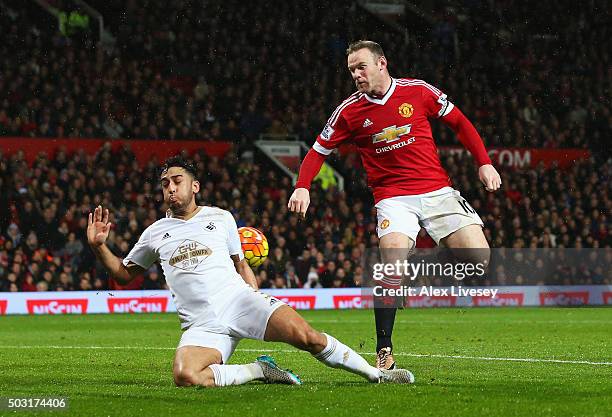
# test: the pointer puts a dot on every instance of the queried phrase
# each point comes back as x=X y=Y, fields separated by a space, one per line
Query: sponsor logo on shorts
x=189 y=255
x=138 y=305
x=62 y=306
x=353 y=301
x=564 y=298
x=406 y=110
x=500 y=300
x=3 y=305
x=327 y=132
x=299 y=302
x=272 y=300
x=384 y=224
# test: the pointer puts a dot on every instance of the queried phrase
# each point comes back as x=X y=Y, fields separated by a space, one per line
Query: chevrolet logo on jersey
x=391 y=133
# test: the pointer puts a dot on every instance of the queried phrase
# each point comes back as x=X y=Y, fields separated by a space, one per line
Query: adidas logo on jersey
x=367 y=123
x=166 y=236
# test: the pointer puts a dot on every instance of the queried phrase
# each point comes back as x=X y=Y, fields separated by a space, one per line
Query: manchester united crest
x=406 y=110
x=384 y=224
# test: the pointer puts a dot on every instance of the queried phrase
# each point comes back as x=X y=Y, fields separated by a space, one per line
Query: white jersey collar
x=169 y=215
x=384 y=98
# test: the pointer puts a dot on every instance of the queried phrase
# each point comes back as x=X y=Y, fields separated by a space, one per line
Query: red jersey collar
x=384 y=98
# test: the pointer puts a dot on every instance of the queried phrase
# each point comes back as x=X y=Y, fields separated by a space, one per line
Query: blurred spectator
x=226 y=72
x=537 y=208
x=152 y=281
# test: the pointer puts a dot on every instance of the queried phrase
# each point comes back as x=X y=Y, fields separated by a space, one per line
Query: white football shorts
x=440 y=212
x=245 y=316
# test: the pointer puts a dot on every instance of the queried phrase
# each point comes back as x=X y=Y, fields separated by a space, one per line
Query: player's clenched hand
x=98 y=227
x=489 y=177
x=299 y=201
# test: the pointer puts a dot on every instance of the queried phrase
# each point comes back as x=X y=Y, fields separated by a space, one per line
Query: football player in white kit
x=215 y=293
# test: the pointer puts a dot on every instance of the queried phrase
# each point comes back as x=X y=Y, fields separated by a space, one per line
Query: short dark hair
x=372 y=46
x=181 y=162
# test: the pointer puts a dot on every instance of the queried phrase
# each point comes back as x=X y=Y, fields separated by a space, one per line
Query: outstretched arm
x=98 y=228
x=245 y=271
x=300 y=199
x=469 y=137
x=311 y=165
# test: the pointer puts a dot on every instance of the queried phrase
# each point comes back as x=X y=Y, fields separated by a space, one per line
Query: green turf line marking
x=416 y=355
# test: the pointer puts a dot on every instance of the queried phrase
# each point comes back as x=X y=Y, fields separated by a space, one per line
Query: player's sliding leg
x=394 y=247
x=286 y=325
x=194 y=365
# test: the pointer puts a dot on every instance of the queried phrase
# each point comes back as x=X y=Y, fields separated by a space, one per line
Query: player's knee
x=184 y=377
x=395 y=247
x=479 y=257
x=396 y=240
x=486 y=257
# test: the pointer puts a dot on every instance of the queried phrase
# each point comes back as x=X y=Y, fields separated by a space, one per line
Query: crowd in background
x=226 y=71
x=528 y=75
x=44 y=212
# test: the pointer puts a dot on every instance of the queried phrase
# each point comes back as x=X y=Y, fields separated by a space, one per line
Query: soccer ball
x=254 y=246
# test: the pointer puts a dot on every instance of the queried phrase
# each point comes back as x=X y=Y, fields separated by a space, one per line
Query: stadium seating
x=179 y=71
x=44 y=212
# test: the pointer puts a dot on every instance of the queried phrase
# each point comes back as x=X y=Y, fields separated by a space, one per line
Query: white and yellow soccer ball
x=254 y=245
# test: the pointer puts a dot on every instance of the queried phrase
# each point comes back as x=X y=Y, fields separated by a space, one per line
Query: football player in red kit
x=388 y=119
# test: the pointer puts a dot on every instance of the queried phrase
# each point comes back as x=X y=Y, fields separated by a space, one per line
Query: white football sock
x=338 y=355
x=236 y=374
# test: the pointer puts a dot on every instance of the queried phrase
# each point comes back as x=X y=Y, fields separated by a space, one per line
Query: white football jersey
x=195 y=257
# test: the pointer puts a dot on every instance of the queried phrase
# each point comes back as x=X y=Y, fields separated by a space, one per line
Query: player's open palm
x=299 y=201
x=98 y=227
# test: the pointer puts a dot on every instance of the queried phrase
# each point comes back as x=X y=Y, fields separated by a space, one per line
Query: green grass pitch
x=120 y=365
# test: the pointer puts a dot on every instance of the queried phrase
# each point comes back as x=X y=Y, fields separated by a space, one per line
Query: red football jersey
x=393 y=136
